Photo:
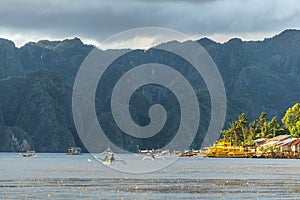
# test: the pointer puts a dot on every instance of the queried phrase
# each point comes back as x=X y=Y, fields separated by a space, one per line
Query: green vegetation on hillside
x=291 y=120
x=243 y=133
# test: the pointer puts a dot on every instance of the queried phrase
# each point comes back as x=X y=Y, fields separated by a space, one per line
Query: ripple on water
x=137 y=188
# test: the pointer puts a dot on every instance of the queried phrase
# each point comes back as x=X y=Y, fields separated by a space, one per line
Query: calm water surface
x=59 y=176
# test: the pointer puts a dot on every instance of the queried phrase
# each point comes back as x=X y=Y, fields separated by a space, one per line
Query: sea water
x=61 y=176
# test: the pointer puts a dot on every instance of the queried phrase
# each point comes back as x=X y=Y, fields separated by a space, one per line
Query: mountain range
x=36 y=82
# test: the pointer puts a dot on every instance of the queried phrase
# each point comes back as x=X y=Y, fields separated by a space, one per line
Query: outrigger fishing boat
x=107 y=157
x=147 y=154
x=27 y=154
x=154 y=154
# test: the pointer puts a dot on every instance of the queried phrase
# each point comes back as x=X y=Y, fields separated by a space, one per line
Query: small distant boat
x=151 y=157
x=147 y=154
x=108 y=159
x=74 y=151
x=28 y=154
x=188 y=153
x=155 y=154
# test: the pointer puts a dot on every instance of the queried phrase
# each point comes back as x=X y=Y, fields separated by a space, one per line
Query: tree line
x=243 y=133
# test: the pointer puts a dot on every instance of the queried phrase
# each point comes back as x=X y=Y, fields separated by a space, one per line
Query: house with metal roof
x=285 y=145
x=295 y=146
x=280 y=138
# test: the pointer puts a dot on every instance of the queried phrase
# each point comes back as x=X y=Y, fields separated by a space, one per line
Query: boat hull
x=27 y=156
x=226 y=150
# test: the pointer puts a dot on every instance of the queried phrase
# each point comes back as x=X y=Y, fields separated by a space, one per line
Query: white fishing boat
x=27 y=154
x=107 y=157
x=154 y=154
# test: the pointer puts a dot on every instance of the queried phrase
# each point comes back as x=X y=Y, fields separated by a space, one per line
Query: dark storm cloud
x=99 y=19
x=90 y=19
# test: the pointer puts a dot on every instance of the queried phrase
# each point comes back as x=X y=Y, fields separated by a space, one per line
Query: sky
x=93 y=21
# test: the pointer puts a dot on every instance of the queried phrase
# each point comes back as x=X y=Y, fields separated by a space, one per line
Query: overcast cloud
x=94 y=21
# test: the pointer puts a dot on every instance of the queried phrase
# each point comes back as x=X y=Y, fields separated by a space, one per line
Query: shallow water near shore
x=59 y=176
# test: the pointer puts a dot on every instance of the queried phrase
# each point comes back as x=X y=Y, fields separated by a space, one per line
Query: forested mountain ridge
x=36 y=85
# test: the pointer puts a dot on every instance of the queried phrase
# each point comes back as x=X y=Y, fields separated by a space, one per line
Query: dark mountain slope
x=36 y=86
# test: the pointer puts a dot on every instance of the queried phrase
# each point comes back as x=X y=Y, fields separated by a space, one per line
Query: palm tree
x=234 y=130
x=263 y=124
x=231 y=134
x=252 y=132
x=243 y=123
x=227 y=135
x=275 y=127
